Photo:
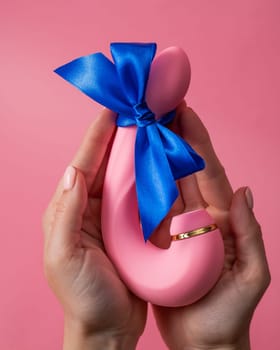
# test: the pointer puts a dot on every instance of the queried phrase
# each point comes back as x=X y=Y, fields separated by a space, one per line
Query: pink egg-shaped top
x=168 y=81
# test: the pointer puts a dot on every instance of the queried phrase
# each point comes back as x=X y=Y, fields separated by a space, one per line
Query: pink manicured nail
x=249 y=198
x=69 y=177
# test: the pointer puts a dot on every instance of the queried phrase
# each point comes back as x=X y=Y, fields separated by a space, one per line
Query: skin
x=100 y=312
x=222 y=318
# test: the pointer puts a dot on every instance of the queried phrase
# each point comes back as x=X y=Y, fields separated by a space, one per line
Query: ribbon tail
x=182 y=158
x=155 y=185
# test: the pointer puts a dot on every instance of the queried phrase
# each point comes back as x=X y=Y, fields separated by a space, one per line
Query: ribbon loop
x=161 y=157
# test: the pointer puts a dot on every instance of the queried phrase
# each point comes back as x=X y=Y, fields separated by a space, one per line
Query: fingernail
x=69 y=177
x=249 y=198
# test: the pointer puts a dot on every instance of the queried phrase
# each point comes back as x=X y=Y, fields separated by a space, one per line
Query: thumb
x=69 y=210
x=247 y=231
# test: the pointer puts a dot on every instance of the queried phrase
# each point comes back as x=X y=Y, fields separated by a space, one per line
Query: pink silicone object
x=189 y=268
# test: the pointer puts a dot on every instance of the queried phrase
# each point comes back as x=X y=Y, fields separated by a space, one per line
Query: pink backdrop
x=234 y=49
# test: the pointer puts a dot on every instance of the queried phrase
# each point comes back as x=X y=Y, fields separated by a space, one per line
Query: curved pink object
x=168 y=81
x=189 y=268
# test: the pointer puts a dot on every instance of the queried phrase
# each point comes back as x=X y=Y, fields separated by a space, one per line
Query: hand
x=221 y=319
x=100 y=312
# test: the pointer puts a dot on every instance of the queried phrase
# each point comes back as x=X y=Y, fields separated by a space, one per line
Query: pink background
x=234 y=49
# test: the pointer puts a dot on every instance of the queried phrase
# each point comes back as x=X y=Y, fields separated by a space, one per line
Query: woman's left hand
x=221 y=319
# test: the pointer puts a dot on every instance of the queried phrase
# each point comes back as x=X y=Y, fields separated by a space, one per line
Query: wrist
x=78 y=337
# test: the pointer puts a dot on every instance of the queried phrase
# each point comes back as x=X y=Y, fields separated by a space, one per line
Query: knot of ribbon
x=161 y=156
x=143 y=115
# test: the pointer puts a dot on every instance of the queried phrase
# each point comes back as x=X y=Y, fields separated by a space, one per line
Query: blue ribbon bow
x=161 y=156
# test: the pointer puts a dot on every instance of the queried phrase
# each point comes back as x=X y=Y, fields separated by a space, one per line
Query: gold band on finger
x=196 y=232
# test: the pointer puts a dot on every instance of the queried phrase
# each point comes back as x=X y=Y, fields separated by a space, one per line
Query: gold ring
x=196 y=232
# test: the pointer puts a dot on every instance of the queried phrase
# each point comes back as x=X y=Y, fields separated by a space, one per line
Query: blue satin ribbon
x=161 y=156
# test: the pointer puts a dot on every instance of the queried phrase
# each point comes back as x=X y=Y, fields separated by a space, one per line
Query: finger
x=212 y=181
x=97 y=186
x=94 y=145
x=189 y=198
x=190 y=193
x=251 y=258
x=89 y=156
x=64 y=234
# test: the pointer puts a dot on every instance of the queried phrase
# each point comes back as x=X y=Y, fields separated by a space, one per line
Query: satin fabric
x=161 y=156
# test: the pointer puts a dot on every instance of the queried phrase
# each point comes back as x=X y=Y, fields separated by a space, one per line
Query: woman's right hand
x=100 y=312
